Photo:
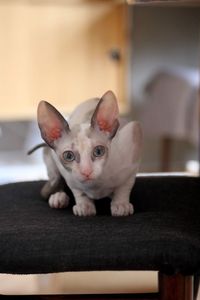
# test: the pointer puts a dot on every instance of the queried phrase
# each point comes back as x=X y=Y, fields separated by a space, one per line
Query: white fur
x=112 y=175
x=58 y=200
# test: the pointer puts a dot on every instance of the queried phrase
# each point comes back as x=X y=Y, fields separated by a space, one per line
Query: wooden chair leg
x=196 y=286
x=176 y=287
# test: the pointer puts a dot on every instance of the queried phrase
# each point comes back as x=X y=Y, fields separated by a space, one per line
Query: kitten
x=93 y=152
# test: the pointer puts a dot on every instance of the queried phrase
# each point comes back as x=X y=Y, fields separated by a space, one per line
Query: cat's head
x=83 y=150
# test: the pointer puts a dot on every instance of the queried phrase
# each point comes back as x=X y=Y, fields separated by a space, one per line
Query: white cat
x=93 y=152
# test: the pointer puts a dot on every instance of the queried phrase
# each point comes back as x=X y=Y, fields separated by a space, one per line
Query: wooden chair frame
x=171 y=287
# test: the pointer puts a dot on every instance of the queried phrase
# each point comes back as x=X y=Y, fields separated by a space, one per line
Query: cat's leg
x=59 y=200
x=120 y=204
x=84 y=206
x=53 y=188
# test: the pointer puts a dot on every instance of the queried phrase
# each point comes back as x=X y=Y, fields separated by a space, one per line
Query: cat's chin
x=86 y=180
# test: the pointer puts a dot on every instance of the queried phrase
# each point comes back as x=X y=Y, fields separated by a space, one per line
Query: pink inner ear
x=106 y=117
x=104 y=125
x=54 y=133
x=51 y=123
x=53 y=130
x=107 y=112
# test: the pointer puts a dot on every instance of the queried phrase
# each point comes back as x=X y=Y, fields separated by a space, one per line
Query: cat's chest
x=94 y=190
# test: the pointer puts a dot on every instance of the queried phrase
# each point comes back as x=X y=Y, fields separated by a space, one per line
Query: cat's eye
x=68 y=156
x=99 y=151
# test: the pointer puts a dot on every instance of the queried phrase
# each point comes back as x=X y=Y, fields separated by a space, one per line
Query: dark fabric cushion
x=163 y=234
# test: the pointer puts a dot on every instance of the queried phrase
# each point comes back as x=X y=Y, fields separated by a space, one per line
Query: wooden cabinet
x=60 y=51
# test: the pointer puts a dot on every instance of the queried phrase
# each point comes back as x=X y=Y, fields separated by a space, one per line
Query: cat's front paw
x=59 y=200
x=121 y=209
x=84 y=209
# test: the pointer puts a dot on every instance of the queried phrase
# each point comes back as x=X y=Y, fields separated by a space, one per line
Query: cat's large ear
x=106 y=114
x=51 y=123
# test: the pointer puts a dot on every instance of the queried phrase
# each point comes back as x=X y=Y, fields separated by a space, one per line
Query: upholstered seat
x=163 y=234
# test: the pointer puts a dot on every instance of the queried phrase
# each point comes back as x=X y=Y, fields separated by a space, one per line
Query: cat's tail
x=36 y=148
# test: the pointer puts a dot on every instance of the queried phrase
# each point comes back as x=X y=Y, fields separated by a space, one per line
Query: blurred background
x=66 y=51
x=69 y=51
x=164 y=85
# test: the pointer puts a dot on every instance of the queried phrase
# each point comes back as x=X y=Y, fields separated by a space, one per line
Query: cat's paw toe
x=58 y=200
x=84 y=209
x=121 y=209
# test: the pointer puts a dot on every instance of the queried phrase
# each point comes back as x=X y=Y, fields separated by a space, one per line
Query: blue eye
x=68 y=156
x=99 y=151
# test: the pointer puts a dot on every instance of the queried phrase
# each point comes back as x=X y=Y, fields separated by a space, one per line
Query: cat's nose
x=86 y=173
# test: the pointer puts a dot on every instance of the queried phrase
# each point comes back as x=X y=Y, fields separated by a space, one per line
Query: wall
x=163 y=38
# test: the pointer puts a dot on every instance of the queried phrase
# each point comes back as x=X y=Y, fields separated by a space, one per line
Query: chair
x=163 y=235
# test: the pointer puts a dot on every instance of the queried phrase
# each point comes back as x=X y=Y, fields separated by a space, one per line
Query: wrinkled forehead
x=87 y=136
x=82 y=137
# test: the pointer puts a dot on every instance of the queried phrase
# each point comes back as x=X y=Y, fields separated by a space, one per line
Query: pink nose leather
x=86 y=173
